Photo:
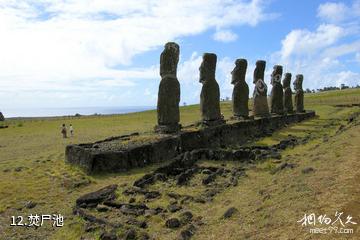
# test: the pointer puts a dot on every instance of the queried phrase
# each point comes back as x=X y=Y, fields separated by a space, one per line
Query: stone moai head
x=169 y=59
x=287 y=80
x=239 y=72
x=298 y=82
x=208 y=67
x=276 y=74
x=259 y=70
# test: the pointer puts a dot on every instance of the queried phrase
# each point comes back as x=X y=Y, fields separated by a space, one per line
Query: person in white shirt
x=71 y=130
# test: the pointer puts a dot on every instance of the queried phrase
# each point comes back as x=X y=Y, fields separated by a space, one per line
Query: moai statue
x=276 y=99
x=210 y=92
x=2 y=118
x=240 y=96
x=299 y=93
x=260 y=108
x=168 y=114
x=288 y=105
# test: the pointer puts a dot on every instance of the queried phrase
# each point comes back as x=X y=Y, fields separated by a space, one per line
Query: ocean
x=53 y=112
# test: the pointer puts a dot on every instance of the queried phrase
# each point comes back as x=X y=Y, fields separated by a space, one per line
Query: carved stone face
x=238 y=73
x=298 y=82
x=169 y=59
x=276 y=74
x=287 y=79
x=208 y=67
x=259 y=70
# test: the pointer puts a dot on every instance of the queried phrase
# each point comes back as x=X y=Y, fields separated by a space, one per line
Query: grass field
x=32 y=168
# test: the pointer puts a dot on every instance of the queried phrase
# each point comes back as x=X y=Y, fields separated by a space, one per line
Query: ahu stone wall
x=99 y=157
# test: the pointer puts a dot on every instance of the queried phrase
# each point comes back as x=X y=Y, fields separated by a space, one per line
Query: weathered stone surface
x=172 y=223
x=276 y=99
x=230 y=212
x=186 y=217
x=210 y=92
x=2 y=118
x=240 y=95
x=288 y=104
x=169 y=90
x=94 y=159
x=187 y=233
x=260 y=108
x=94 y=198
x=299 y=93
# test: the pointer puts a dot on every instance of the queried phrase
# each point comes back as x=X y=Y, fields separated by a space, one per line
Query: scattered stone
x=108 y=236
x=174 y=208
x=30 y=204
x=230 y=212
x=174 y=195
x=209 y=179
x=145 y=180
x=168 y=113
x=184 y=177
x=102 y=208
x=18 y=169
x=135 y=222
x=144 y=236
x=185 y=217
x=234 y=181
x=172 y=223
x=308 y=170
x=206 y=171
x=150 y=212
x=199 y=200
x=152 y=194
x=90 y=218
x=106 y=193
x=90 y=227
x=133 y=209
x=284 y=166
x=130 y=234
x=209 y=193
x=187 y=233
x=240 y=95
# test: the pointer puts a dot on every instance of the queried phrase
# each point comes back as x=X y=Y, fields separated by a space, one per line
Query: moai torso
x=299 y=93
x=240 y=96
x=169 y=89
x=260 y=108
x=288 y=105
x=2 y=118
x=210 y=92
x=276 y=99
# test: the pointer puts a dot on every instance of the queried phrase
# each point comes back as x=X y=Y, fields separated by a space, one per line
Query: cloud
x=225 y=36
x=83 y=45
x=322 y=54
x=336 y=12
x=303 y=41
x=333 y=12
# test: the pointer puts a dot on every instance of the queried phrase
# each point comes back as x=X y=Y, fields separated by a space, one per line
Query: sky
x=82 y=53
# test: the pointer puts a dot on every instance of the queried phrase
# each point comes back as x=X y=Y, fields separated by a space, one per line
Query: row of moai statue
x=169 y=91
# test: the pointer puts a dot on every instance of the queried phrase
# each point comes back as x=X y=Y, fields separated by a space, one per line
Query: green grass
x=35 y=146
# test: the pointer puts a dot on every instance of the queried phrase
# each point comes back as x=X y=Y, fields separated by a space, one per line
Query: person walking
x=71 y=130
x=64 y=131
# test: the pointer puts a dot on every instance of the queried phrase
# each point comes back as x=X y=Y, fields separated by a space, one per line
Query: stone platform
x=119 y=154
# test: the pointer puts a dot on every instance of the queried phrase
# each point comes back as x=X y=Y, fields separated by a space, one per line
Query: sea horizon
x=70 y=111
